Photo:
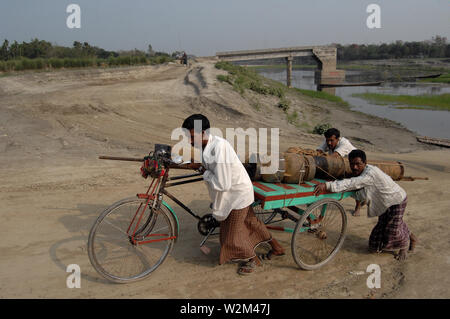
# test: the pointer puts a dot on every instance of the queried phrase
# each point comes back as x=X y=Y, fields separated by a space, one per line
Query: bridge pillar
x=289 y=71
x=326 y=58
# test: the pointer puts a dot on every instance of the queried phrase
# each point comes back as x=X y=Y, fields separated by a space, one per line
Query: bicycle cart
x=132 y=237
x=318 y=223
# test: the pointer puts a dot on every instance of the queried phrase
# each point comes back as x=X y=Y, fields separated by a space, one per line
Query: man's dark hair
x=189 y=122
x=357 y=153
x=332 y=131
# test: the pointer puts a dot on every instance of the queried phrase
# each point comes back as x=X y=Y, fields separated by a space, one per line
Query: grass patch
x=292 y=118
x=59 y=63
x=306 y=126
x=284 y=104
x=242 y=78
x=256 y=104
x=444 y=78
x=225 y=78
x=426 y=101
x=324 y=96
x=321 y=128
x=406 y=68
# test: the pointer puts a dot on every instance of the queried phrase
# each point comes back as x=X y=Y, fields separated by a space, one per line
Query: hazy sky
x=204 y=27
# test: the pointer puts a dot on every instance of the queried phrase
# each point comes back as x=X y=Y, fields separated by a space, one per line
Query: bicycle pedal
x=205 y=249
x=283 y=213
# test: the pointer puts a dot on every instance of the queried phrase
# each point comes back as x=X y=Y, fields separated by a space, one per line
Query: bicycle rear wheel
x=129 y=240
x=319 y=234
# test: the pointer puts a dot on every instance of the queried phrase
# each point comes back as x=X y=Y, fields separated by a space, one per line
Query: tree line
x=41 y=54
x=43 y=49
x=437 y=47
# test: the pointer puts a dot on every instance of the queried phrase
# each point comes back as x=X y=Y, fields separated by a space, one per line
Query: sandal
x=269 y=255
x=247 y=268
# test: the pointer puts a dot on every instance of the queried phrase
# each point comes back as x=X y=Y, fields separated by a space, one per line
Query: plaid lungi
x=240 y=233
x=391 y=232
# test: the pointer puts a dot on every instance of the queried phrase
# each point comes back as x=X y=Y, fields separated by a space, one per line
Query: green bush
x=284 y=105
x=67 y=63
x=257 y=87
x=2 y=66
x=18 y=65
x=112 y=61
x=221 y=65
x=28 y=64
x=87 y=62
x=40 y=64
x=56 y=63
x=321 y=128
x=143 y=60
x=124 y=60
x=225 y=78
x=102 y=62
x=78 y=63
x=11 y=65
x=293 y=117
x=276 y=91
x=159 y=59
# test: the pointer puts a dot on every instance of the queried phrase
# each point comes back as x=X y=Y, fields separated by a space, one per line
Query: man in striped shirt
x=385 y=199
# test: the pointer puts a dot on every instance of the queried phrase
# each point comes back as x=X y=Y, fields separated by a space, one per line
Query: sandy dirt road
x=54 y=125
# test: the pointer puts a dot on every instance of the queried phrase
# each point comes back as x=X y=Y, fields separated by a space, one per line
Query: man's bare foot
x=402 y=255
x=357 y=211
x=412 y=242
x=277 y=249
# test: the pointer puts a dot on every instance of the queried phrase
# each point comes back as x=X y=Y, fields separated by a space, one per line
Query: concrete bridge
x=324 y=55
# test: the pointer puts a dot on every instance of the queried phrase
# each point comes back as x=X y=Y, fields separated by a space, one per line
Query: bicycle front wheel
x=130 y=240
x=319 y=234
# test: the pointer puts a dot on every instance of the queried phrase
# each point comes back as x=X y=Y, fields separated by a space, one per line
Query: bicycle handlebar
x=115 y=158
x=167 y=161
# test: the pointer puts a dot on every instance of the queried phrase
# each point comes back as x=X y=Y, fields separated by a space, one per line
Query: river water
x=423 y=122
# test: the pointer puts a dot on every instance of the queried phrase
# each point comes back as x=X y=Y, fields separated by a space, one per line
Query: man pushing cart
x=133 y=237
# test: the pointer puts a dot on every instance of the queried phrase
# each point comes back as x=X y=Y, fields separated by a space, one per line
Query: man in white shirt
x=231 y=193
x=385 y=199
x=335 y=145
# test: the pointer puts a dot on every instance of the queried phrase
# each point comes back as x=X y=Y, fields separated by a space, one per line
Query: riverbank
x=398 y=77
x=427 y=102
x=444 y=78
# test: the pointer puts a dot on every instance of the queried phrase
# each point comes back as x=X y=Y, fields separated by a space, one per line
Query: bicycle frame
x=155 y=193
x=158 y=188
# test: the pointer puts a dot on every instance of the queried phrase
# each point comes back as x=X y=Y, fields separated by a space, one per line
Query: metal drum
x=297 y=166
